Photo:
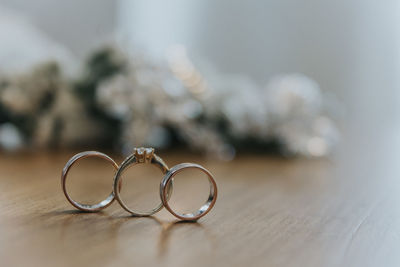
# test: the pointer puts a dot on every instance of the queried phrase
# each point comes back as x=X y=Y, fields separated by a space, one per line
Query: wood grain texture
x=270 y=212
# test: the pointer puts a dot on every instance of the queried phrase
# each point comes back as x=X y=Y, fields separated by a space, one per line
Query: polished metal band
x=140 y=155
x=85 y=207
x=204 y=209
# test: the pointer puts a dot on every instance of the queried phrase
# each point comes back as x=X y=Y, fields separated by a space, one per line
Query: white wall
x=351 y=47
x=79 y=25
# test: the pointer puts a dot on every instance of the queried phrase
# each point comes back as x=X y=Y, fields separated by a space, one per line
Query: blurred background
x=252 y=90
x=222 y=77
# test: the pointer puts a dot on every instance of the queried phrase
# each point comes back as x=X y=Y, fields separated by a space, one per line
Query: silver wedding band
x=205 y=208
x=85 y=207
x=140 y=155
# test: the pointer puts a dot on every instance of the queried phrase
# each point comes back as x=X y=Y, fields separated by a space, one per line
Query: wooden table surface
x=342 y=211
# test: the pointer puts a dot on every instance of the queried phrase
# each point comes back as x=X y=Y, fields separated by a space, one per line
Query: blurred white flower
x=292 y=95
x=66 y=123
x=14 y=98
x=242 y=105
x=152 y=103
x=114 y=95
x=10 y=137
x=295 y=103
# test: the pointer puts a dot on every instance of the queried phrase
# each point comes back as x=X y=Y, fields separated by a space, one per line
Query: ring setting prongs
x=143 y=154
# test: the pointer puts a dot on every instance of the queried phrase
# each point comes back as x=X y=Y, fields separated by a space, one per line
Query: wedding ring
x=85 y=207
x=205 y=208
x=141 y=155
